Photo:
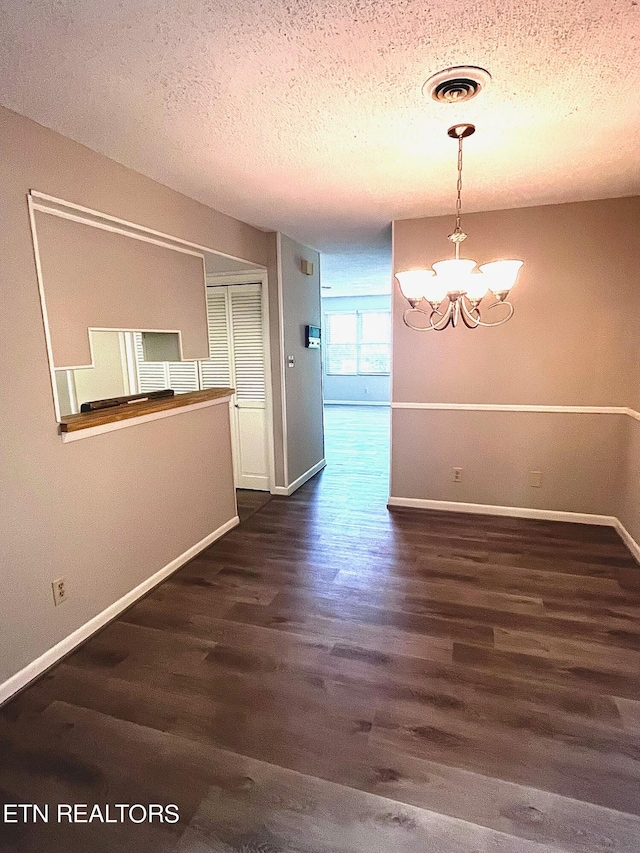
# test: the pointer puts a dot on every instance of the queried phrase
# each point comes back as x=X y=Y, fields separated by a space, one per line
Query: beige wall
x=51 y=163
x=277 y=357
x=62 y=385
x=87 y=276
x=629 y=496
x=581 y=457
x=634 y=400
x=107 y=377
x=109 y=511
x=303 y=383
x=294 y=301
x=570 y=343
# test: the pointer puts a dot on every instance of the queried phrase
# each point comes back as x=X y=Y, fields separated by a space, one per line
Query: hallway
x=357 y=447
x=332 y=677
x=357 y=452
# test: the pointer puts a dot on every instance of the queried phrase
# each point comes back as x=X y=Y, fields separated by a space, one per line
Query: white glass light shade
x=414 y=283
x=454 y=273
x=477 y=286
x=501 y=275
x=437 y=290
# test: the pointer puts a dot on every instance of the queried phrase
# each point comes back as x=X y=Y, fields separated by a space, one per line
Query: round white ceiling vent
x=456 y=85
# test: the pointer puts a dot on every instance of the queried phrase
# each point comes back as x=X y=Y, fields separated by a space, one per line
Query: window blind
x=358 y=342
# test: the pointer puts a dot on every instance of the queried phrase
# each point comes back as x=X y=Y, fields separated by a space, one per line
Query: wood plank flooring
x=333 y=677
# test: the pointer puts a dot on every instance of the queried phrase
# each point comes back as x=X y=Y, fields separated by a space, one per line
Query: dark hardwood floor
x=332 y=677
x=250 y=502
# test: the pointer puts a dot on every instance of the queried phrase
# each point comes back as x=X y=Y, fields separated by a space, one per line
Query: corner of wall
x=629 y=498
x=535 y=394
x=301 y=368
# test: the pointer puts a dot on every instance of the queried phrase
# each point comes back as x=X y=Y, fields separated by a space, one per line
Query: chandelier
x=452 y=289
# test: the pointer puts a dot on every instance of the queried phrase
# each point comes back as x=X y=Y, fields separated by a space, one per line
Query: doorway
x=235 y=314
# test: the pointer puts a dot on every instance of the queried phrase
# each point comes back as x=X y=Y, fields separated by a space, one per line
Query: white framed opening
x=218 y=268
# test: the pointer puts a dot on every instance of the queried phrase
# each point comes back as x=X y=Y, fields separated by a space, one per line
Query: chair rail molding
x=505 y=407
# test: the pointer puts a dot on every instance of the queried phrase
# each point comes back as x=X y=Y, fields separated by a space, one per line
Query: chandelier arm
x=448 y=318
x=455 y=313
x=471 y=318
x=503 y=320
x=441 y=314
x=428 y=314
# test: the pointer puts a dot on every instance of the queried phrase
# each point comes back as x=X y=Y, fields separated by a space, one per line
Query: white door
x=236 y=345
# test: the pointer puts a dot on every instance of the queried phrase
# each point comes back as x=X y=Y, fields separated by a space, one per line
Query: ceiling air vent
x=455 y=85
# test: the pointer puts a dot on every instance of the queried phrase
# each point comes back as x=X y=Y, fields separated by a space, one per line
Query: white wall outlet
x=457 y=475
x=59 y=588
x=535 y=479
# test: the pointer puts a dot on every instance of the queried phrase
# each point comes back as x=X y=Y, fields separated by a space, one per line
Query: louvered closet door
x=236 y=359
x=152 y=375
x=182 y=376
x=248 y=378
x=215 y=372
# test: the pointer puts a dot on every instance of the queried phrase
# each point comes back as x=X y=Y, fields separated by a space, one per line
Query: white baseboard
x=290 y=489
x=511 y=511
x=357 y=403
x=524 y=512
x=628 y=539
x=64 y=647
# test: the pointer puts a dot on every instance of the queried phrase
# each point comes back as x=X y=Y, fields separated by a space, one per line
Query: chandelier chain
x=459 y=187
x=455 y=294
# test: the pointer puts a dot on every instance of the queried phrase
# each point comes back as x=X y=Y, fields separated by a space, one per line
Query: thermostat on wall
x=312 y=337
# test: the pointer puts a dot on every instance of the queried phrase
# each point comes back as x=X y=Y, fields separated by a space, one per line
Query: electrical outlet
x=59 y=588
x=457 y=475
x=535 y=479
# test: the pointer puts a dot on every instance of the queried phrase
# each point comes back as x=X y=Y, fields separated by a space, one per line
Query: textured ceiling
x=360 y=271
x=307 y=115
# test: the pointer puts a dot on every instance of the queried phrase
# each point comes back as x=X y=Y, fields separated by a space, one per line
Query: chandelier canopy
x=453 y=289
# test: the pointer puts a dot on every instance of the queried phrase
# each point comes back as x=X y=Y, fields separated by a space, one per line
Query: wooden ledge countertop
x=72 y=423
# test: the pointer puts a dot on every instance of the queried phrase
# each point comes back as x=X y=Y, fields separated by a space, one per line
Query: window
x=358 y=342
